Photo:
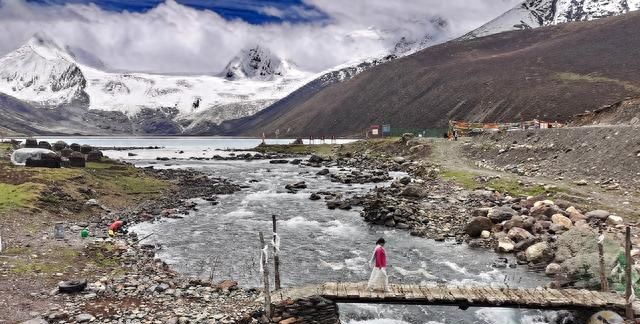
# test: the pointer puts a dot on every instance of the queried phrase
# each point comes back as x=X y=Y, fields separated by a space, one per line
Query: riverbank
x=125 y=280
x=546 y=224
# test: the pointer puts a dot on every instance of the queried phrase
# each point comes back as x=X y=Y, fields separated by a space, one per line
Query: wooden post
x=276 y=257
x=265 y=278
x=627 y=271
x=604 y=283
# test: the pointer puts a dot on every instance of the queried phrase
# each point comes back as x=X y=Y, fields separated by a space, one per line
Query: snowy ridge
x=49 y=75
x=43 y=73
x=255 y=63
x=538 y=13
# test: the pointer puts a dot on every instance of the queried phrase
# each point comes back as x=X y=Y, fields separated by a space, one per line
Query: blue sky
x=251 y=11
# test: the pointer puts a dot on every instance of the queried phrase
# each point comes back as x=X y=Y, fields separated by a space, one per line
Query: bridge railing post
x=604 y=283
x=264 y=265
x=629 y=285
x=276 y=257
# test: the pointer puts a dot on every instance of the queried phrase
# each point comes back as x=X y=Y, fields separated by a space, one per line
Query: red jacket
x=380 y=257
x=115 y=226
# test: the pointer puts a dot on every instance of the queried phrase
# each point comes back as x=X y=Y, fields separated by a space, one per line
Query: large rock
x=606 y=317
x=552 y=269
x=577 y=252
x=476 y=225
x=414 y=191
x=539 y=252
x=518 y=234
x=598 y=214
x=562 y=220
x=505 y=245
x=614 y=220
x=501 y=214
x=515 y=221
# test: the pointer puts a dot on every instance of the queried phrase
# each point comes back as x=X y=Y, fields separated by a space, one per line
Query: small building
x=374 y=131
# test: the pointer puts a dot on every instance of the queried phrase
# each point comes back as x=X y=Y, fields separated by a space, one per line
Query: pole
x=276 y=257
x=604 y=283
x=627 y=271
x=265 y=278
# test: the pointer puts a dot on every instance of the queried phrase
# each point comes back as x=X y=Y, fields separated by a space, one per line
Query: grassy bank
x=471 y=181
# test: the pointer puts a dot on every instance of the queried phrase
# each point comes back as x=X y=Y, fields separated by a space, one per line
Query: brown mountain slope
x=551 y=73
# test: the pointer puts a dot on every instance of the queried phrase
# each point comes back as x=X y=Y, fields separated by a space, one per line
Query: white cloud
x=176 y=38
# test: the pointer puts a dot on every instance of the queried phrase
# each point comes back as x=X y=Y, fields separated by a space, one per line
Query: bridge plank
x=352 y=290
x=328 y=289
x=396 y=291
x=598 y=298
x=496 y=293
x=426 y=294
x=555 y=297
x=581 y=297
x=535 y=296
x=467 y=292
x=512 y=297
x=479 y=295
x=571 y=299
x=490 y=296
x=416 y=292
x=457 y=294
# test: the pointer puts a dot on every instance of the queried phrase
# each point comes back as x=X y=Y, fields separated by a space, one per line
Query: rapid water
x=317 y=244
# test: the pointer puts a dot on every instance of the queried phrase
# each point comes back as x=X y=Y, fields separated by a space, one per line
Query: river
x=317 y=244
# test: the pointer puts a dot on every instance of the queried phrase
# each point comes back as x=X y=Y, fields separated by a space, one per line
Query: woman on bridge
x=379 y=279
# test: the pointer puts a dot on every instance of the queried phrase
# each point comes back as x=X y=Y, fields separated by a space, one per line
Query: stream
x=317 y=244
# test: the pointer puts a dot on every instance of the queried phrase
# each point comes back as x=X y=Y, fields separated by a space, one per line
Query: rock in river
x=476 y=225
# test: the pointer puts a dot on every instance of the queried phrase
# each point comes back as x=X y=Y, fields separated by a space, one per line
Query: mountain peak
x=537 y=13
x=256 y=62
x=48 y=48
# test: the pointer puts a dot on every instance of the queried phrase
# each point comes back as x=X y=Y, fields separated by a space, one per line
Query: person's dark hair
x=380 y=241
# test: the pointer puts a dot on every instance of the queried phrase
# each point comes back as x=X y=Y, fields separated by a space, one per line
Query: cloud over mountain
x=176 y=38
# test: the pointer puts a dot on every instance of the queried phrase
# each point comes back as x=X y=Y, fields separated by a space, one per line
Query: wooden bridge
x=461 y=296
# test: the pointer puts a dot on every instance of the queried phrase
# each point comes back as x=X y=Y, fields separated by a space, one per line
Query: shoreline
x=404 y=196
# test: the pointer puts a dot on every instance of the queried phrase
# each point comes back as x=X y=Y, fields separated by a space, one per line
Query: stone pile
x=308 y=310
x=151 y=293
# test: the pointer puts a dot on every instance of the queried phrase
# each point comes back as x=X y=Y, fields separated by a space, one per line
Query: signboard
x=374 y=131
x=386 y=129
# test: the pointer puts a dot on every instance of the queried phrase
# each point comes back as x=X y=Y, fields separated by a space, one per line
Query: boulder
x=228 y=285
x=44 y=145
x=576 y=217
x=315 y=159
x=505 y=245
x=405 y=180
x=614 y=220
x=315 y=196
x=399 y=159
x=515 y=221
x=562 y=220
x=59 y=145
x=552 y=269
x=518 y=234
x=297 y=185
x=501 y=214
x=323 y=172
x=597 y=214
x=577 y=252
x=606 y=317
x=539 y=252
x=414 y=191
x=525 y=244
x=485 y=234
x=480 y=212
x=476 y=225
x=31 y=143
x=85 y=149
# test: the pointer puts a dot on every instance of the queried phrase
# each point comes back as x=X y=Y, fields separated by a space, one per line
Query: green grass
x=4 y=146
x=464 y=179
x=18 y=196
x=58 y=261
x=17 y=250
x=592 y=78
x=509 y=186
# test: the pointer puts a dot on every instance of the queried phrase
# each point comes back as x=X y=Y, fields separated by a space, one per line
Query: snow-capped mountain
x=255 y=63
x=538 y=13
x=42 y=72
x=49 y=75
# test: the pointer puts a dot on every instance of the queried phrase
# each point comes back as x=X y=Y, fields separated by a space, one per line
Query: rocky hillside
x=539 y=13
x=550 y=73
x=625 y=112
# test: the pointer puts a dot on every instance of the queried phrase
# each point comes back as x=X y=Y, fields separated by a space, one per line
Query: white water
x=318 y=244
